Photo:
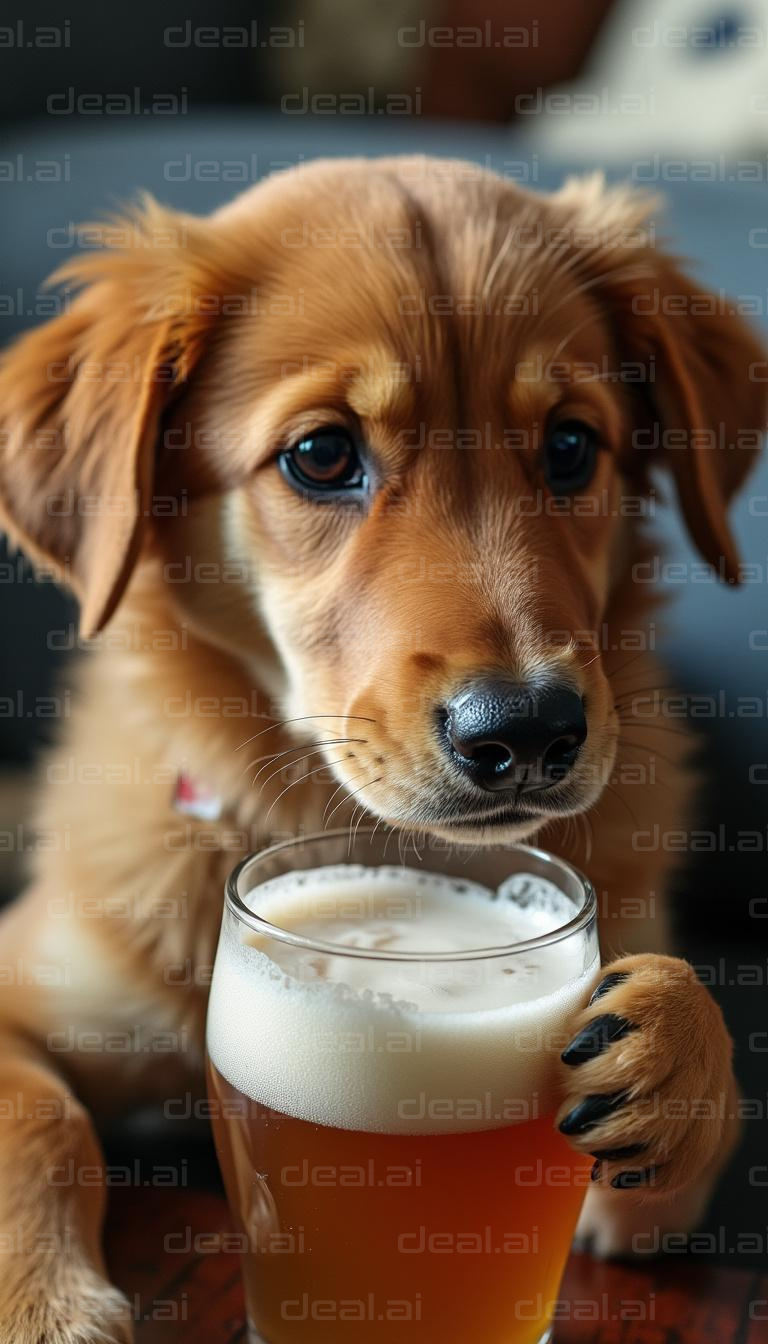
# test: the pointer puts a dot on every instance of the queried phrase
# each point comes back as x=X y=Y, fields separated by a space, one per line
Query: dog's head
x=411 y=412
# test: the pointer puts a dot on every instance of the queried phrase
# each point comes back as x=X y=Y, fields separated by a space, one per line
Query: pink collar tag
x=192 y=798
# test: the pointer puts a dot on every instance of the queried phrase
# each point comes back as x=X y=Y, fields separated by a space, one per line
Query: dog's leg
x=652 y=1096
x=53 y=1284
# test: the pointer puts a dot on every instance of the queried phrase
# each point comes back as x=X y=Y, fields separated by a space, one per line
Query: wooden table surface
x=183 y=1291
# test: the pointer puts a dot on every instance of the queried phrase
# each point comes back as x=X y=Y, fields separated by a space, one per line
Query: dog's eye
x=324 y=461
x=570 y=455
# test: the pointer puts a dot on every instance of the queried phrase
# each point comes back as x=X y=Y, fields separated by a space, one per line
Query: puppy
x=352 y=482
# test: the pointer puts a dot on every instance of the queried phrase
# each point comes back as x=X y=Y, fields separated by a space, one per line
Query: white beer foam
x=398 y=1046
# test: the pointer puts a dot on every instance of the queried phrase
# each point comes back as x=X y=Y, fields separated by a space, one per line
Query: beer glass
x=384 y=1026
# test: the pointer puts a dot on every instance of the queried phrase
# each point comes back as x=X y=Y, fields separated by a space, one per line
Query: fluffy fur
x=241 y=633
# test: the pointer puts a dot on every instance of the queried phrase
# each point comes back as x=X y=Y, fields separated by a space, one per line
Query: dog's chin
x=514 y=824
x=487 y=832
x=500 y=826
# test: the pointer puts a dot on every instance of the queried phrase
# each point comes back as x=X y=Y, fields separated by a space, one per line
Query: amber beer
x=381 y=1044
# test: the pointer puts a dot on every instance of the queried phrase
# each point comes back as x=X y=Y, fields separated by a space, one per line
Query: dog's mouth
x=513 y=819
x=490 y=819
x=469 y=817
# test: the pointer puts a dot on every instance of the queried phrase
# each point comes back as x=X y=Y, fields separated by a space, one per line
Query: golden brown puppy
x=357 y=471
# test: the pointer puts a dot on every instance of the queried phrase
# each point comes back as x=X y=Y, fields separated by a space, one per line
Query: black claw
x=633 y=1180
x=594 y=1175
x=607 y=983
x=591 y=1111
x=619 y=1154
x=593 y=1039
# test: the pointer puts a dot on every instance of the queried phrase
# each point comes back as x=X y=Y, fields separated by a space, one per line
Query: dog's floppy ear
x=81 y=400
x=706 y=371
x=709 y=399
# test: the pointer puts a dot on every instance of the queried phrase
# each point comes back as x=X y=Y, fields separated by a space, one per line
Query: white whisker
x=350 y=796
x=325 y=765
x=334 y=742
x=304 y=718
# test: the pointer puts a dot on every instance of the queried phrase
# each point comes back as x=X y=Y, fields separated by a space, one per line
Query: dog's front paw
x=648 y=1073
x=72 y=1305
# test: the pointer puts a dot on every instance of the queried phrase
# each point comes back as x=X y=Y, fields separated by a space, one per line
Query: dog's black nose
x=519 y=738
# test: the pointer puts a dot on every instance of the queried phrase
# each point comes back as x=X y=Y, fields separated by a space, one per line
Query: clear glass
x=384 y=1118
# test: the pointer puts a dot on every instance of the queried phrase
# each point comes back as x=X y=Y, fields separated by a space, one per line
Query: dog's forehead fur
x=410 y=291
x=413 y=239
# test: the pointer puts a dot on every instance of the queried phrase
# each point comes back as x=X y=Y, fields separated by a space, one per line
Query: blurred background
x=196 y=103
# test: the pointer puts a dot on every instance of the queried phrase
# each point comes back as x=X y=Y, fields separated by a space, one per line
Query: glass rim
x=258 y=924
